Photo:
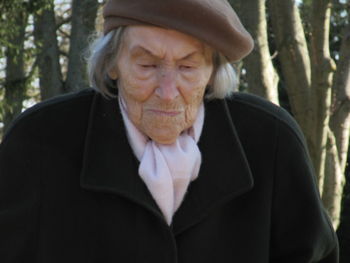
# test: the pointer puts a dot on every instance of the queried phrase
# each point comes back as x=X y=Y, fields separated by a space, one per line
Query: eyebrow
x=139 y=50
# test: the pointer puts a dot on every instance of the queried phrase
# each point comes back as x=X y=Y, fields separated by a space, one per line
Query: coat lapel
x=224 y=173
x=109 y=164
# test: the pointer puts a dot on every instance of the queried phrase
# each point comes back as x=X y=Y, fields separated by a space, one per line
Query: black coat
x=70 y=191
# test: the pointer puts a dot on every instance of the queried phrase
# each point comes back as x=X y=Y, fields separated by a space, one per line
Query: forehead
x=162 y=42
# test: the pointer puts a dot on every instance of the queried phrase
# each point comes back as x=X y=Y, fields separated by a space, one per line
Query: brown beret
x=211 y=21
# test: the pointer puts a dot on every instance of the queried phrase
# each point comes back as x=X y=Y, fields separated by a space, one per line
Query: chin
x=164 y=140
x=164 y=137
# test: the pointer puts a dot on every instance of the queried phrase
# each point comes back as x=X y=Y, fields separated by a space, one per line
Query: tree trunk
x=48 y=58
x=261 y=76
x=340 y=108
x=294 y=57
x=340 y=125
x=321 y=78
x=333 y=182
x=84 y=13
x=15 y=80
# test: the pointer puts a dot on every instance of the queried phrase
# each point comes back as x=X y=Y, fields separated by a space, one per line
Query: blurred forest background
x=301 y=61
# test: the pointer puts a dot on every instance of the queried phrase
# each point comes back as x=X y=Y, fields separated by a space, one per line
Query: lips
x=170 y=113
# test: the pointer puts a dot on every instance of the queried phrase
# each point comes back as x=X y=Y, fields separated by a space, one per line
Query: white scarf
x=167 y=170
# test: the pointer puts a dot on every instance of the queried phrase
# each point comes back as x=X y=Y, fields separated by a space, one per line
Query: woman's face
x=162 y=75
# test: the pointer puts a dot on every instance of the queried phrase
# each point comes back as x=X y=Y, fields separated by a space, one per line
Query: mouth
x=170 y=113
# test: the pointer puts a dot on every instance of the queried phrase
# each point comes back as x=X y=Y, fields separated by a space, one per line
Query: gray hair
x=103 y=52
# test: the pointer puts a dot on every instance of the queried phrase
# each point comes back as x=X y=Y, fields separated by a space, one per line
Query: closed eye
x=186 y=67
x=148 y=65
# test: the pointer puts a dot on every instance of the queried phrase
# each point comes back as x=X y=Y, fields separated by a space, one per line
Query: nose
x=167 y=88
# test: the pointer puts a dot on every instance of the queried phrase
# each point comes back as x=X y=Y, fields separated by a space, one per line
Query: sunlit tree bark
x=293 y=55
x=339 y=126
x=323 y=68
x=340 y=107
x=261 y=76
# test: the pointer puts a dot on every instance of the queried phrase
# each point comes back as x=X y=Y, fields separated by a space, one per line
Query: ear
x=113 y=73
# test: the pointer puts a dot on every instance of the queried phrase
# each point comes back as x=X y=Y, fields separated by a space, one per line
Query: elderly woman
x=160 y=162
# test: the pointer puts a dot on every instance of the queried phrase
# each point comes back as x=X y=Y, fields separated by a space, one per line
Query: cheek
x=193 y=94
x=135 y=95
x=135 y=86
x=134 y=108
x=192 y=110
x=193 y=90
x=194 y=100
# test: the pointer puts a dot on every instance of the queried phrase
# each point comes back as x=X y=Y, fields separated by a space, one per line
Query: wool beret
x=212 y=21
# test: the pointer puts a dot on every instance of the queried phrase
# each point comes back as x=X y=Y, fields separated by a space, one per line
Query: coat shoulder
x=259 y=109
x=62 y=107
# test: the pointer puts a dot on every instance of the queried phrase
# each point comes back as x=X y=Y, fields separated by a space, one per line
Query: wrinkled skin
x=162 y=75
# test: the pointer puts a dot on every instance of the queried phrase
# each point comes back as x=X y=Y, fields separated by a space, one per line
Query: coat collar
x=109 y=164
